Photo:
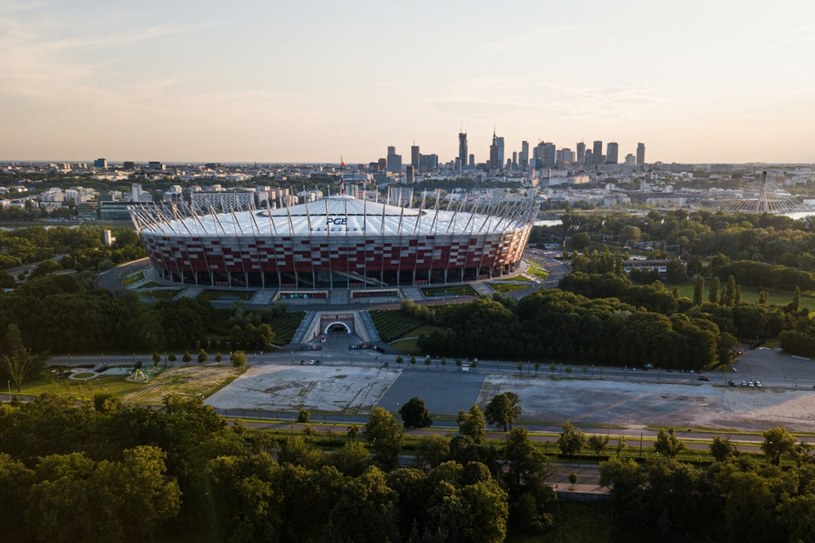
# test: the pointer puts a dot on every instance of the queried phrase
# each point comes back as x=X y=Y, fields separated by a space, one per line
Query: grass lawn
x=510 y=287
x=452 y=290
x=190 y=380
x=536 y=271
x=750 y=294
x=114 y=384
x=394 y=324
x=210 y=295
x=132 y=278
x=164 y=294
x=577 y=522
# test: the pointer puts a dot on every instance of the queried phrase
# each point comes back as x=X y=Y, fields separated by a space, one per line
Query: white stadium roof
x=334 y=216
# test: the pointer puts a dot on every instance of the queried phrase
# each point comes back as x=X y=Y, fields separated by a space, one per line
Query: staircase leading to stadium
x=370 y=327
x=300 y=334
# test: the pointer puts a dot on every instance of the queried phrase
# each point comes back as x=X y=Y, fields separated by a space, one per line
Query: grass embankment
x=133 y=278
x=400 y=330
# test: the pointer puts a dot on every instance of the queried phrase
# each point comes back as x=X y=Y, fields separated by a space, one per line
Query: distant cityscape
x=588 y=176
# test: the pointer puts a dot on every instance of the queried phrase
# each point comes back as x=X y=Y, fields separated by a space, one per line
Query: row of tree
x=113 y=473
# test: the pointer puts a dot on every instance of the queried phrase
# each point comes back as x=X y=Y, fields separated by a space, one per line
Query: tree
x=526 y=464
x=667 y=444
x=796 y=299
x=385 y=436
x=427 y=361
x=186 y=357
x=571 y=439
x=713 y=295
x=412 y=360
x=762 y=297
x=239 y=359
x=303 y=416
x=503 y=410
x=777 y=442
x=202 y=356
x=414 y=414
x=17 y=361
x=598 y=443
x=156 y=359
x=400 y=360
x=473 y=424
x=699 y=291
x=432 y=451
x=730 y=291
x=723 y=449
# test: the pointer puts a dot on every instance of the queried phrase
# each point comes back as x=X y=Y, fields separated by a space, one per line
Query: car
x=758 y=384
x=731 y=382
x=750 y=384
x=317 y=362
x=744 y=383
x=703 y=378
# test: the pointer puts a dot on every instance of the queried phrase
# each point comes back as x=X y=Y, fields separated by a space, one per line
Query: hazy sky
x=171 y=80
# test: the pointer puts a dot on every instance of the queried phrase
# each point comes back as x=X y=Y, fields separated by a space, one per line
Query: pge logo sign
x=336 y=221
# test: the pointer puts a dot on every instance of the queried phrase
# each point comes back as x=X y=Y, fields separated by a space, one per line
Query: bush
x=239 y=359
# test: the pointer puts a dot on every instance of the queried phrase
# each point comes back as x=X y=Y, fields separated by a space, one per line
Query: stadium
x=336 y=242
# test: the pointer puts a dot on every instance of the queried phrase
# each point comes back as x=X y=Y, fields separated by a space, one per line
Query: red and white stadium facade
x=336 y=242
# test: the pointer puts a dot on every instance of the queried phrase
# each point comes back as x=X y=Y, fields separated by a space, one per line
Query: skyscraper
x=597 y=152
x=640 y=154
x=500 y=142
x=524 y=158
x=394 y=161
x=494 y=162
x=462 y=149
x=581 y=153
x=612 y=152
x=414 y=156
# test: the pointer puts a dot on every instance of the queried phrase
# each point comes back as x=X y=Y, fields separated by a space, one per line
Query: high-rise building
x=462 y=149
x=471 y=163
x=589 y=157
x=630 y=160
x=566 y=156
x=410 y=174
x=640 y=154
x=597 y=152
x=428 y=163
x=394 y=161
x=545 y=155
x=612 y=152
x=514 y=158
x=500 y=143
x=100 y=163
x=524 y=158
x=414 y=156
x=581 y=153
x=494 y=163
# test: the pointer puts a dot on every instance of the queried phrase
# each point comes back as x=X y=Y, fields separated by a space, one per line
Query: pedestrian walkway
x=413 y=293
x=263 y=297
x=483 y=289
x=191 y=292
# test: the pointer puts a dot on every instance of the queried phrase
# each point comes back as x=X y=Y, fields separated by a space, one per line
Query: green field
x=750 y=294
x=395 y=324
x=577 y=522
x=50 y=382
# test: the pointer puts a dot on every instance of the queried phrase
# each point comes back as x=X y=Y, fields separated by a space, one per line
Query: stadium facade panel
x=337 y=242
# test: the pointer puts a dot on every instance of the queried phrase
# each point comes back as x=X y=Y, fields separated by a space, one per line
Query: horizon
x=278 y=83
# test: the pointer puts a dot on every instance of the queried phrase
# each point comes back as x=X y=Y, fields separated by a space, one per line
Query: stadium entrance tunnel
x=337 y=327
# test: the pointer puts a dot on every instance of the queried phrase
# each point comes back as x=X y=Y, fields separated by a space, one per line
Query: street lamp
x=9 y=389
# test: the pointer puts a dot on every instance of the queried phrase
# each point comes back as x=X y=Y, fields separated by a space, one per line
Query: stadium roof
x=335 y=216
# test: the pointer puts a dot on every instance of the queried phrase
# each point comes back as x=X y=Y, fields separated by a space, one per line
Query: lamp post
x=9 y=389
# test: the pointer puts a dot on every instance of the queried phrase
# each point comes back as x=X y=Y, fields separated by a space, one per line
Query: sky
x=314 y=80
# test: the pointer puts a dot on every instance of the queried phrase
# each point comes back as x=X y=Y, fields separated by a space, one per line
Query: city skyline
x=274 y=82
